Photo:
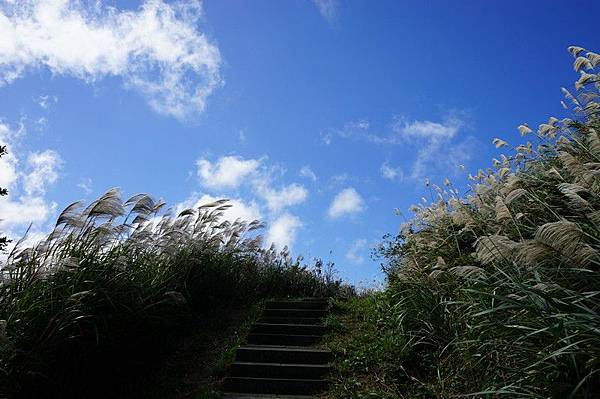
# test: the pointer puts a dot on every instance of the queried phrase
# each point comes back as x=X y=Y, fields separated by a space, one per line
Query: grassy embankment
x=496 y=293
x=97 y=309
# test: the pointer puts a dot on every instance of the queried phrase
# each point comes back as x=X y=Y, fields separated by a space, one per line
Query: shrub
x=83 y=308
x=501 y=289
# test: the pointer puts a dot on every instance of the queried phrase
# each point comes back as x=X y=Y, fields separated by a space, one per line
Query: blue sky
x=319 y=117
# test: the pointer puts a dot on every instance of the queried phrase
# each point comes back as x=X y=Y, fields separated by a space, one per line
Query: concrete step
x=274 y=385
x=263 y=396
x=279 y=370
x=313 y=313
x=297 y=329
x=291 y=320
x=319 y=305
x=283 y=354
x=282 y=339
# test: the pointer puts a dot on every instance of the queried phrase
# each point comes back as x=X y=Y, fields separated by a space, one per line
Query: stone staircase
x=281 y=357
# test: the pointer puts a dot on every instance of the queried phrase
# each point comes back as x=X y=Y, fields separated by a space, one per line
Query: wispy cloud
x=283 y=230
x=346 y=202
x=307 y=172
x=27 y=183
x=46 y=100
x=277 y=199
x=258 y=193
x=157 y=50
x=438 y=145
x=327 y=9
x=356 y=253
x=227 y=172
x=326 y=138
x=391 y=173
x=85 y=185
x=43 y=171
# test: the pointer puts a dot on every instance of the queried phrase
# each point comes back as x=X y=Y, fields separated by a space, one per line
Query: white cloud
x=24 y=210
x=276 y=200
x=25 y=203
x=8 y=162
x=282 y=231
x=44 y=170
x=346 y=202
x=390 y=172
x=426 y=130
x=435 y=143
x=327 y=8
x=46 y=100
x=356 y=130
x=85 y=185
x=227 y=172
x=240 y=209
x=326 y=138
x=442 y=156
x=307 y=172
x=402 y=131
x=231 y=172
x=156 y=50
x=355 y=253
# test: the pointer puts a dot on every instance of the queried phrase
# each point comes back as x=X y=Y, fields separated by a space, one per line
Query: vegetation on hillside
x=82 y=310
x=496 y=293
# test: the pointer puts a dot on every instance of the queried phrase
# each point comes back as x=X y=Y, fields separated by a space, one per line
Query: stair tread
x=289 y=348
x=282 y=357
x=282 y=364
x=234 y=395
x=287 y=335
x=278 y=379
x=286 y=324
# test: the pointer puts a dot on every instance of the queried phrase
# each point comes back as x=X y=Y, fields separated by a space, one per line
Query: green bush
x=85 y=308
x=502 y=287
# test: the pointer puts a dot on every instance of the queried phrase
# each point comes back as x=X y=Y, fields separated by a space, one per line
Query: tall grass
x=497 y=293
x=81 y=309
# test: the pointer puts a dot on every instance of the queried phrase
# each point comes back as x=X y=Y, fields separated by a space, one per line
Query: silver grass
x=434 y=275
x=524 y=129
x=143 y=204
x=214 y=204
x=570 y=97
x=514 y=195
x=564 y=143
x=108 y=205
x=69 y=213
x=503 y=172
x=571 y=163
x=141 y=218
x=594 y=58
x=594 y=217
x=580 y=63
x=591 y=108
x=186 y=212
x=571 y=191
x=554 y=173
x=568 y=239
x=440 y=263
x=470 y=272
x=499 y=143
x=494 y=248
x=585 y=79
x=502 y=211
x=588 y=96
x=575 y=50
x=593 y=141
